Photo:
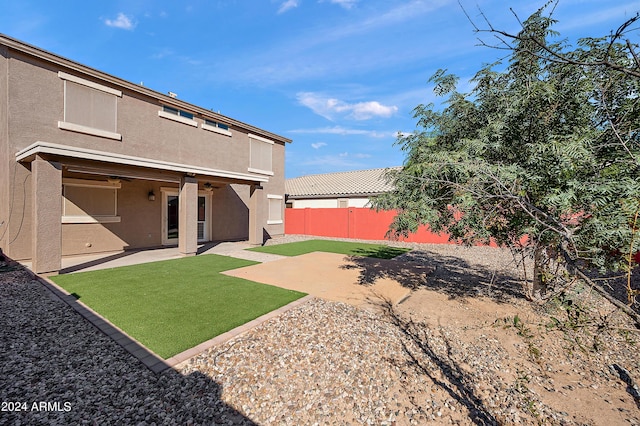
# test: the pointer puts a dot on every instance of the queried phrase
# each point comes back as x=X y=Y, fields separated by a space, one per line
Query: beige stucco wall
x=37 y=104
x=228 y=201
x=4 y=152
x=139 y=226
x=32 y=95
x=275 y=186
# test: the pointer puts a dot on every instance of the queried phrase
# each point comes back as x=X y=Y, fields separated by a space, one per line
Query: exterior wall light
x=152 y=196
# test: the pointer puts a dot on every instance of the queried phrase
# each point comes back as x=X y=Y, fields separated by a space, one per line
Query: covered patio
x=87 y=224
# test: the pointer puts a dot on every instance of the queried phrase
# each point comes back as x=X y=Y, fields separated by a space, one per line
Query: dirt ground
x=331 y=276
x=562 y=368
x=573 y=361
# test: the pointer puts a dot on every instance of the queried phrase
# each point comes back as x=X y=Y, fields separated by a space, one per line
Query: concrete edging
x=224 y=337
x=146 y=356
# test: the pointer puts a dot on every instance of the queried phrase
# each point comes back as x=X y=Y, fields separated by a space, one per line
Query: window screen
x=275 y=209
x=88 y=201
x=260 y=155
x=89 y=107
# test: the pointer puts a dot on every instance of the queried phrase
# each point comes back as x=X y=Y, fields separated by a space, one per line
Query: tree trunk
x=540 y=283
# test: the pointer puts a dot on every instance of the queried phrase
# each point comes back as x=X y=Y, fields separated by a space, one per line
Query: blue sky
x=339 y=77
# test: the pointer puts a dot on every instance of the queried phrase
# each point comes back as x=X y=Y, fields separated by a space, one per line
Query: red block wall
x=357 y=223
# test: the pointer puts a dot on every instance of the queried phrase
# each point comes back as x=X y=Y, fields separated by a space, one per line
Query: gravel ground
x=322 y=363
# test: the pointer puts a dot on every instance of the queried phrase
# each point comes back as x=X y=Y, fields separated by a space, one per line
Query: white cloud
x=330 y=107
x=163 y=53
x=367 y=110
x=122 y=21
x=342 y=131
x=347 y=4
x=335 y=162
x=360 y=155
x=311 y=54
x=287 y=5
x=318 y=145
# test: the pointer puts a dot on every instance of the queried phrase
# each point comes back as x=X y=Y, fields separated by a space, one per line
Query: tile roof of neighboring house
x=354 y=183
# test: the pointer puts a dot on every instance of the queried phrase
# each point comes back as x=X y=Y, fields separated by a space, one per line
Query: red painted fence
x=357 y=223
x=352 y=222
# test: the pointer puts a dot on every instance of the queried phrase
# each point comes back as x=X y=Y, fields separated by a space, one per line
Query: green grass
x=173 y=305
x=331 y=246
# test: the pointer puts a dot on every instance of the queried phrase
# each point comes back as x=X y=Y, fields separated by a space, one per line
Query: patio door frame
x=166 y=193
x=207 y=215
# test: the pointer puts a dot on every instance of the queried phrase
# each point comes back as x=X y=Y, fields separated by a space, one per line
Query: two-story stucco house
x=92 y=163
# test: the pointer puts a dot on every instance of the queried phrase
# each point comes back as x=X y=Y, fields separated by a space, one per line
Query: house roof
x=163 y=99
x=353 y=183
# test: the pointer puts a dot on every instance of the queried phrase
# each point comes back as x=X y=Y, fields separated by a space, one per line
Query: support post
x=256 y=230
x=188 y=217
x=46 y=232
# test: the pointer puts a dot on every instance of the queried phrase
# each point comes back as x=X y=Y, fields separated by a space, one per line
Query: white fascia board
x=110 y=157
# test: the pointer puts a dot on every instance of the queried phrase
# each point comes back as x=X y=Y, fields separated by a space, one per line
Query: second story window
x=89 y=107
x=217 y=127
x=260 y=155
x=179 y=115
x=216 y=124
x=178 y=112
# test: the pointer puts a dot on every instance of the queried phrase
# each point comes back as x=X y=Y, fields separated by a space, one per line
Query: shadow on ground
x=55 y=356
x=616 y=285
x=422 y=353
x=451 y=275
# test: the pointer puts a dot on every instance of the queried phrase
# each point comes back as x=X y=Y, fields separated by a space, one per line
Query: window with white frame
x=178 y=115
x=275 y=209
x=89 y=107
x=178 y=112
x=260 y=155
x=88 y=201
x=216 y=124
x=217 y=127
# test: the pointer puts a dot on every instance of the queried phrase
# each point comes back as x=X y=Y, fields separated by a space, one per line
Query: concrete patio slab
x=95 y=262
x=361 y=282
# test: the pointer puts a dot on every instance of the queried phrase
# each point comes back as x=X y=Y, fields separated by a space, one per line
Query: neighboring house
x=92 y=163
x=336 y=190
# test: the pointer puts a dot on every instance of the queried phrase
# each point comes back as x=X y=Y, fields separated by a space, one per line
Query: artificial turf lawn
x=331 y=246
x=173 y=305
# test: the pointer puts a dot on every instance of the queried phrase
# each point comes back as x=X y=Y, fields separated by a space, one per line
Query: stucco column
x=47 y=216
x=256 y=231
x=188 y=217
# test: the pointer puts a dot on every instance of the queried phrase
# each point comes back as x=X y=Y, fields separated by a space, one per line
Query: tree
x=543 y=155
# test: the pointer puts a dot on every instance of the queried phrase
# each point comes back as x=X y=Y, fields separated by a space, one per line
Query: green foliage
x=545 y=146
